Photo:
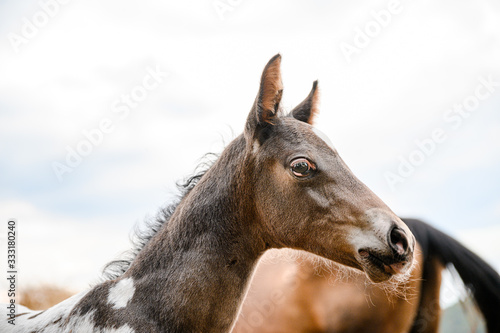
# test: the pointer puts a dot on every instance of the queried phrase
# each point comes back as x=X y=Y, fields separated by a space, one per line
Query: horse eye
x=301 y=167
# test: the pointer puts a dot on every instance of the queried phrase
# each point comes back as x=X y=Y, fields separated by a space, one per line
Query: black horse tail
x=479 y=277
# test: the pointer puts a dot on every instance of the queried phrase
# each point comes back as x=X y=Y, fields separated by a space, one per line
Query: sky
x=104 y=106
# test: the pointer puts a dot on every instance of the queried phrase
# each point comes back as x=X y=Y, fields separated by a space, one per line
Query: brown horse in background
x=305 y=294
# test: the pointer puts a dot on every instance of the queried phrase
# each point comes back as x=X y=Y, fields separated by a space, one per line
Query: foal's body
x=277 y=185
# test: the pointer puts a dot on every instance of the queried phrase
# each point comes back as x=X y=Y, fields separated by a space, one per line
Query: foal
x=279 y=184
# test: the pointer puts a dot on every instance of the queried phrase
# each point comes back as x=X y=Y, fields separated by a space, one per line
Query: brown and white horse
x=297 y=293
x=279 y=184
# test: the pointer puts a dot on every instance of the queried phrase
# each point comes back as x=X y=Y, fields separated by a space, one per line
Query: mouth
x=380 y=268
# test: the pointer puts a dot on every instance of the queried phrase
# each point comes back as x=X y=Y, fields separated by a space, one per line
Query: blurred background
x=105 y=105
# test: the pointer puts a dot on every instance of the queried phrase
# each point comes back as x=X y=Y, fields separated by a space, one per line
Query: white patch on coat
x=323 y=137
x=85 y=324
x=82 y=324
x=121 y=293
x=43 y=322
x=55 y=320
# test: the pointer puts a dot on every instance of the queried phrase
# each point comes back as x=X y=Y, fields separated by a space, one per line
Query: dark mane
x=142 y=234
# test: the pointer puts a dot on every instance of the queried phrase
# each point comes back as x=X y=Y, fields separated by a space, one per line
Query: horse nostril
x=398 y=241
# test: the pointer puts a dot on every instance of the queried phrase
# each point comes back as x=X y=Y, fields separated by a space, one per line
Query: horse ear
x=266 y=107
x=308 y=109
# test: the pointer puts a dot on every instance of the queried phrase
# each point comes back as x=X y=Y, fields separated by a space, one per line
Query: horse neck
x=196 y=269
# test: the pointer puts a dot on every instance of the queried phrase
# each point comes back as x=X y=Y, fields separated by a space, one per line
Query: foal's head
x=305 y=195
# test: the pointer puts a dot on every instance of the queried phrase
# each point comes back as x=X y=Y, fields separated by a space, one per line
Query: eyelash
x=311 y=167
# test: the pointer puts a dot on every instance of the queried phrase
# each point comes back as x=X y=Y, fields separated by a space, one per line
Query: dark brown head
x=305 y=195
